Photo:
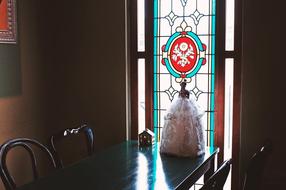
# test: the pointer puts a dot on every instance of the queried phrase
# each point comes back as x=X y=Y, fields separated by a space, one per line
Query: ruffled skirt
x=182 y=134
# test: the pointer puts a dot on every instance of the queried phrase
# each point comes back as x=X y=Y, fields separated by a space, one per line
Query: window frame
x=221 y=55
x=134 y=56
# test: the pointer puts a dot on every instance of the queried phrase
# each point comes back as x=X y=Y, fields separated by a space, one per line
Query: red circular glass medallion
x=183 y=54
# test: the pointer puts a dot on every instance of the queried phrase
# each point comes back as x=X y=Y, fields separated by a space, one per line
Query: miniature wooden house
x=146 y=138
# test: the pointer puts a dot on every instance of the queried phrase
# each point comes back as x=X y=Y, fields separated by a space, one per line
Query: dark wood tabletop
x=129 y=167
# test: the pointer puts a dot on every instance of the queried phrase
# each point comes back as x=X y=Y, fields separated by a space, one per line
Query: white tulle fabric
x=182 y=134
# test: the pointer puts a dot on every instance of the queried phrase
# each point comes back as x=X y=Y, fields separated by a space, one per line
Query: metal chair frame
x=7 y=179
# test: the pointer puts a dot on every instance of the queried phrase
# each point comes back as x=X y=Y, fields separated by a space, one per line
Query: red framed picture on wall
x=8 y=30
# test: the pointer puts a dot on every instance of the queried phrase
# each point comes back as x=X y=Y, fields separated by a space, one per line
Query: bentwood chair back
x=66 y=133
x=254 y=172
x=217 y=180
x=25 y=143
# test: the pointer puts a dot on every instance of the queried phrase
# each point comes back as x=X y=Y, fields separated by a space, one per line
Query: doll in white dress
x=182 y=133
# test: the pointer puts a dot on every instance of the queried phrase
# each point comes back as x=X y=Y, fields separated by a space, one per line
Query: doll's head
x=184 y=93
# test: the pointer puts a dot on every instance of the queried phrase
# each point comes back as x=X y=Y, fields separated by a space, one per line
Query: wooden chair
x=253 y=175
x=217 y=180
x=7 y=179
x=84 y=128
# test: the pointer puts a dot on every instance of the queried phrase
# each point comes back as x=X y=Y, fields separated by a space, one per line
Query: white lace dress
x=182 y=134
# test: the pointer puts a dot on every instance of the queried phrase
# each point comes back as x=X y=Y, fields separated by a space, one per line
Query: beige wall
x=70 y=68
x=263 y=91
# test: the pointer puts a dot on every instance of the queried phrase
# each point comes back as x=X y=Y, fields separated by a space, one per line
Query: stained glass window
x=184 y=49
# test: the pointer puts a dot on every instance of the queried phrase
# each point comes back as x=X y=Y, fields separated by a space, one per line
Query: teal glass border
x=213 y=29
x=155 y=101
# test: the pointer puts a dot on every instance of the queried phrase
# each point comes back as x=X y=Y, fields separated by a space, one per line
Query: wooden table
x=129 y=167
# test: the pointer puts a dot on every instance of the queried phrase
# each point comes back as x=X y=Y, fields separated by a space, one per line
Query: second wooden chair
x=253 y=175
x=84 y=128
x=217 y=180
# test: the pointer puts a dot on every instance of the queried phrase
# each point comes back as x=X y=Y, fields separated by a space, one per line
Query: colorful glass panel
x=184 y=49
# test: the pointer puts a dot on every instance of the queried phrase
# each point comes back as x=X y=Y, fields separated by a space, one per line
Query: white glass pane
x=165 y=7
x=228 y=107
x=141 y=95
x=141 y=24
x=229 y=30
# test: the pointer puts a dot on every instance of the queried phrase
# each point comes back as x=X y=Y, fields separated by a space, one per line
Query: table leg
x=210 y=171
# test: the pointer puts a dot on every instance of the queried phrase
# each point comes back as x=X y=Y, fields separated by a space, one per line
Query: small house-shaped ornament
x=146 y=138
